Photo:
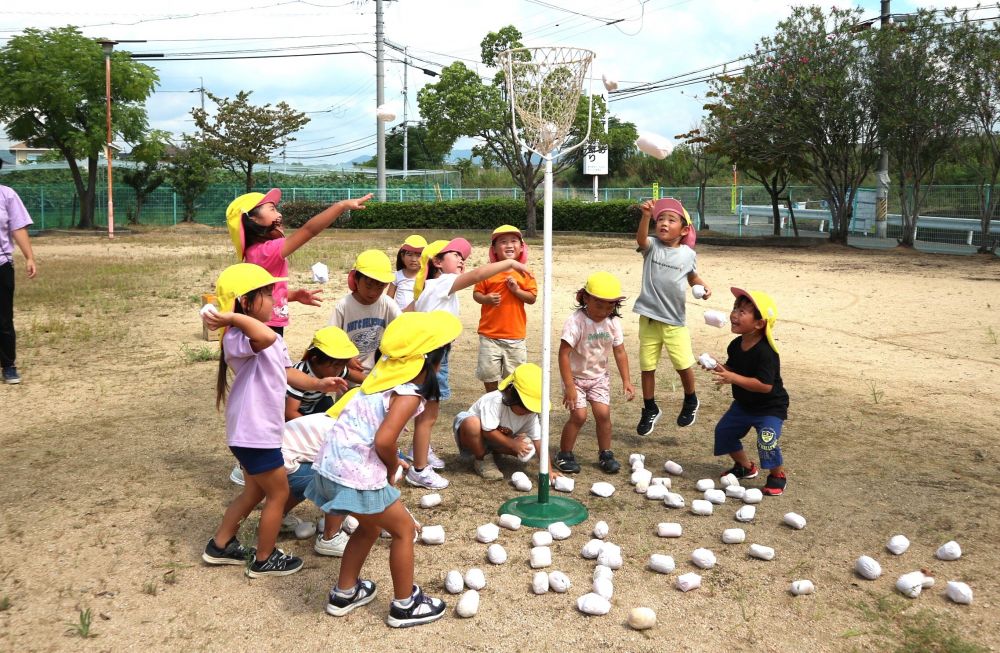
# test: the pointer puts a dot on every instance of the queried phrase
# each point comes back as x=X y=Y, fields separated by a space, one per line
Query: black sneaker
x=648 y=420
x=775 y=485
x=741 y=472
x=339 y=606
x=606 y=461
x=278 y=563
x=423 y=610
x=566 y=463
x=233 y=553
x=689 y=411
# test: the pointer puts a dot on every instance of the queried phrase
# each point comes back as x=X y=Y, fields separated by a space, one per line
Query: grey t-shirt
x=664 y=282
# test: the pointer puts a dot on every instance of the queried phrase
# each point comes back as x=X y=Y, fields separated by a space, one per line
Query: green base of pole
x=534 y=512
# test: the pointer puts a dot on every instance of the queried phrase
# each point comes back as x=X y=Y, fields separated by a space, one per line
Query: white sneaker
x=427 y=478
x=236 y=476
x=433 y=460
x=487 y=468
x=334 y=546
x=289 y=523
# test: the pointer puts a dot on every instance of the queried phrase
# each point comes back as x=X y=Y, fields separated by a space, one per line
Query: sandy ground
x=117 y=472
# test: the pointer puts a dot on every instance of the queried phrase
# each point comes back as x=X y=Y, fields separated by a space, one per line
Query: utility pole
x=380 y=98
x=882 y=191
x=406 y=125
x=201 y=89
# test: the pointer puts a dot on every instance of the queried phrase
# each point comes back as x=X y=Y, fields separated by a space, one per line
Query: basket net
x=544 y=85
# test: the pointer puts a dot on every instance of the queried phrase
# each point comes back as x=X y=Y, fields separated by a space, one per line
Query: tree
x=921 y=111
x=190 y=173
x=980 y=86
x=148 y=174
x=461 y=104
x=620 y=139
x=423 y=151
x=52 y=94
x=817 y=72
x=242 y=135
x=706 y=159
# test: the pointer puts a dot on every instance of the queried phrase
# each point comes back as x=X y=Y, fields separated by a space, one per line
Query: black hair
x=511 y=398
x=358 y=277
x=430 y=389
x=222 y=376
x=582 y=292
x=400 y=265
x=253 y=233
x=756 y=311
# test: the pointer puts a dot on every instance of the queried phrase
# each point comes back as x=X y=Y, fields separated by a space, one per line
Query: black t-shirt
x=762 y=363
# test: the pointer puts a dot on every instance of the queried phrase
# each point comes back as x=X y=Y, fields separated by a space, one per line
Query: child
x=407 y=266
x=14 y=222
x=504 y=421
x=442 y=274
x=367 y=311
x=502 y=325
x=760 y=401
x=255 y=228
x=254 y=416
x=328 y=355
x=668 y=267
x=592 y=332
x=357 y=464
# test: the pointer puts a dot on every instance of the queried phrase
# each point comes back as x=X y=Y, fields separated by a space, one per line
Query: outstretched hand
x=306 y=296
x=359 y=203
x=721 y=375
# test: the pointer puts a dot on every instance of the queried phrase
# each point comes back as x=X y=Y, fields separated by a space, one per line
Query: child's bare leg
x=777 y=470
x=274 y=482
x=741 y=458
x=491 y=385
x=401 y=526
x=238 y=510
x=577 y=418
x=332 y=524
x=602 y=415
x=291 y=503
x=422 y=426
x=357 y=550
x=687 y=380
x=649 y=384
x=470 y=436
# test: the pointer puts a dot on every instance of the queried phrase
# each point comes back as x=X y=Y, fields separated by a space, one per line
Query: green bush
x=618 y=216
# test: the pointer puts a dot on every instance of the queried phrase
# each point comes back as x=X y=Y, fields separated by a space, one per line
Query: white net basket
x=544 y=87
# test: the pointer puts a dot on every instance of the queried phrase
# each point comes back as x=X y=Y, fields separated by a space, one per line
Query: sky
x=635 y=42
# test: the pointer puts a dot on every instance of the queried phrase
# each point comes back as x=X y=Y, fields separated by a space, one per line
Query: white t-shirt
x=364 y=324
x=404 y=289
x=592 y=343
x=437 y=295
x=492 y=414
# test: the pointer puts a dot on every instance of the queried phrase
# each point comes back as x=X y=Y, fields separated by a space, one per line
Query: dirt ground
x=116 y=468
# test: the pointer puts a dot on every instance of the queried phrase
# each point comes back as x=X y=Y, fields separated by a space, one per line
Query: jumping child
x=356 y=467
x=503 y=323
x=591 y=333
x=407 y=266
x=760 y=401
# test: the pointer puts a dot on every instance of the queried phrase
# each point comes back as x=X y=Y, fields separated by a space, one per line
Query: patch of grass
x=992 y=336
x=4 y=603
x=876 y=393
x=928 y=632
x=170 y=577
x=199 y=354
x=150 y=587
x=82 y=626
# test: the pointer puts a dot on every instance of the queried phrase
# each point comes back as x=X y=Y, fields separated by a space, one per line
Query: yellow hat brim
x=337 y=408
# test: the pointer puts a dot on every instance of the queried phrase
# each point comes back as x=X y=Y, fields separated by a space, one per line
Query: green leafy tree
x=462 y=104
x=190 y=173
x=619 y=138
x=242 y=135
x=148 y=173
x=706 y=160
x=922 y=113
x=52 y=94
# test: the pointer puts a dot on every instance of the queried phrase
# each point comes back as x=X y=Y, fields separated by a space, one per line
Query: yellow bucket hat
x=333 y=342
x=239 y=279
x=338 y=407
x=404 y=345
x=374 y=264
x=527 y=380
x=414 y=243
x=766 y=307
x=604 y=285
x=430 y=251
x=241 y=206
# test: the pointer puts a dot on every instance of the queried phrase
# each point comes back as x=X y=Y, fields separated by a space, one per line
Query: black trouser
x=8 y=341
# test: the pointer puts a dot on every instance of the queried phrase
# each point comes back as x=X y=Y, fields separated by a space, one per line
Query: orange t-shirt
x=506 y=320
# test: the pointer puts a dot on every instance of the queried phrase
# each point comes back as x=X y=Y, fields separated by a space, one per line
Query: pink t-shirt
x=592 y=343
x=255 y=409
x=268 y=256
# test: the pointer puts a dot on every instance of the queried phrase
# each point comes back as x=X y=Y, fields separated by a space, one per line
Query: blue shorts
x=299 y=480
x=336 y=499
x=258 y=461
x=737 y=422
x=442 y=376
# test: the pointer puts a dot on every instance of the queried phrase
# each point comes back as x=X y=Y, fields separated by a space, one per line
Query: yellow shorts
x=653 y=335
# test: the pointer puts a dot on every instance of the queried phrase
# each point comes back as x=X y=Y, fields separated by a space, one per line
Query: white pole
x=543 y=456
x=406 y=153
x=379 y=99
x=595 y=188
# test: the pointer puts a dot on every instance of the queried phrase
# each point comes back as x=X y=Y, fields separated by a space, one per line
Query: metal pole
x=379 y=99
x=406 y=127
x=107 y=98
x=882 y=175
x=543 y=454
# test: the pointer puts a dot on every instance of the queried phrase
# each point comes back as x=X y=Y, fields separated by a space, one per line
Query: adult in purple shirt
x=14 y=221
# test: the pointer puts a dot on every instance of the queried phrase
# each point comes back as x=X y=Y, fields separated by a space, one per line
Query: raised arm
x=642 y=233
x=319 y=222
x=484 y=272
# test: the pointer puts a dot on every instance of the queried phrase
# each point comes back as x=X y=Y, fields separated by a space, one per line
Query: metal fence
x=949 y=216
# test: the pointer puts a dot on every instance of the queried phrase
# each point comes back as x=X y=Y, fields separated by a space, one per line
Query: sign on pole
x=595 y=159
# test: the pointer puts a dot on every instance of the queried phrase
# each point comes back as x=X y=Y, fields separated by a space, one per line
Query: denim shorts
x=737 y=422
x=442 y=376
x=258 y=461
x=299 y=480
x=336 y=499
